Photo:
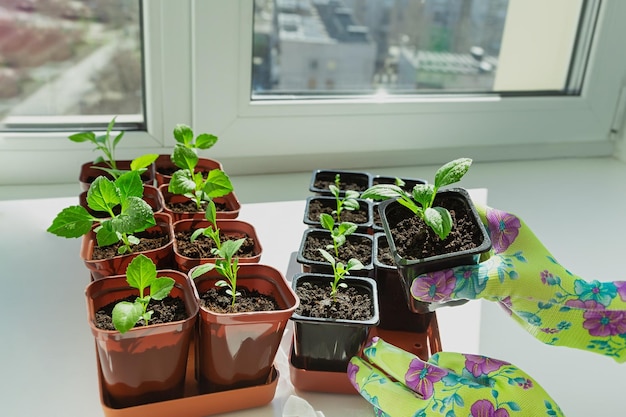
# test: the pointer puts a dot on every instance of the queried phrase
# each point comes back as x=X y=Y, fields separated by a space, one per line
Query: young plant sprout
x=349 y=201
x=212 y=231
x=135 y=214
x=338 y=233
x=340 y=271
x=107 y=144
x=187 y=147
x=226 y=265
x=140 y=274
x=420 y=200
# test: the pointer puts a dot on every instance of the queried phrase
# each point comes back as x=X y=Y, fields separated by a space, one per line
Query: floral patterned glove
x=554 y=305
x=399 y=384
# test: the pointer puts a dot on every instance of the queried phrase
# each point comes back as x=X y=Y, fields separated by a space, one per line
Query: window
x=567 y=115
x=68 y=62
x=198 y=69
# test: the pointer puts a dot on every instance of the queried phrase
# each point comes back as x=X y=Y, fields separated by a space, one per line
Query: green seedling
x=212 y=232
x=142 y=275
x=340 y=271
x=227 y=266
x=185 y=154
x=338 y=232
x=348 y=202
x=200 y=189
x=420 y=200
x=107 y=144
x=135 y=215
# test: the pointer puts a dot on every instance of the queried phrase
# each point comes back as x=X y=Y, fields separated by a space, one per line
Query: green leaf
x=141 y=272
x=347 y=228
x=202 y=269
x=211 y=213
x=217 y=184
x=73 y=221
x=439 y=220
x=327 y=221
x=143 y=161
x=339 y=239
x=196 y=233
x=105 y=235
x=103 y=195
x=334 y=190
x=423 y=194
x=452 y=172
x=129 y=184
x=83 y=137
x=117 y=139
x=184 y=157
x=354 y=264
x=383 y=192
x=126 y=315
x=161 y=287
x=230 y=248
x=137 y=216
x=351 y=204
x=183 y=134
x=182 y=182
x=205 y=141
x=327 y=256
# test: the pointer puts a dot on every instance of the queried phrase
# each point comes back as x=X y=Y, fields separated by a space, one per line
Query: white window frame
x=198 y=60
x=296 y=135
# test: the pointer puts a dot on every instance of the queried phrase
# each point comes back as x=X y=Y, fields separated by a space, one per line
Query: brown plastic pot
x=232 y=229
x=145 y=364
x=162 y=257
x=150 y=196
x=237 y=350
x=164 y=165
x=392 y=213
x=88 y=173
x=229 y=200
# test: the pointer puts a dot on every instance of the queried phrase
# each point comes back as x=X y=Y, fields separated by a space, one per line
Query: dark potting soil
x=317 y=207
x=191 y=206
x=168 y=310
x=384 y=254
x=346 y=182
x=216 y=299
x=352 y=303
x=147 y=241
x=355 y=247
x=415 y=240
x=202 y=246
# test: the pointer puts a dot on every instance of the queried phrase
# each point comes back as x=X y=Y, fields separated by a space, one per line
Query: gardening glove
x=399 y=384
x=552 y=304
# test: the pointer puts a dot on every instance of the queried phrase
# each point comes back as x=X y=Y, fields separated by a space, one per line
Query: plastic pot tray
x=423 y=344
x=193 y=404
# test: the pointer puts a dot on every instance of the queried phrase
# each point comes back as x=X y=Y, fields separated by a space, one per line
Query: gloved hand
x=399 y=384
x=554 y=305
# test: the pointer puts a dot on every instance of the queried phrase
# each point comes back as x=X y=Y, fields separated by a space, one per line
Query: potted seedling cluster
x=430 y=229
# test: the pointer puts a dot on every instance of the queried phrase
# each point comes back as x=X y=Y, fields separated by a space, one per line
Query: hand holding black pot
x=554 y=305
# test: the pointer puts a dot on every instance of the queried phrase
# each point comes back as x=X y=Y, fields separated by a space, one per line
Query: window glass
x=68 y=61
x=333 y=47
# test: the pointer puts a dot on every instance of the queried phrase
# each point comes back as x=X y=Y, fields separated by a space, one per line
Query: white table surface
x=47 y=357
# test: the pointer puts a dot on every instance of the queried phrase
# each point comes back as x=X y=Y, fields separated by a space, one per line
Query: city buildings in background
x=358 y=46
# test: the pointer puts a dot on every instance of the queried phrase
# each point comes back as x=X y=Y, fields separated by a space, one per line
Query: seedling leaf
x=103 y=195
x=161 y=287
x=452 y=172
x=184 y=158
x=202 y=269
x=383 y=192
x=143 y=161
x=205 y=141
x=183 y=134
x=126 y=315
x=439 y=220
x=217 y=184
x=424 y=194
x=141 y=273
x=129 y=185
x=182 y=182
x=72 y=222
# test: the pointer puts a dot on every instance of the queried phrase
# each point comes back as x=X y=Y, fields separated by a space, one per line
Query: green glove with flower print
x=554 y=305
x=399 y=384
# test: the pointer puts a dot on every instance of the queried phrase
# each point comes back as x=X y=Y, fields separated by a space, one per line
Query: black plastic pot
x=323 y=267
x=394 y=311
x=349 y=180
x=330 y=203
x=326 y=344
x=392 y=213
